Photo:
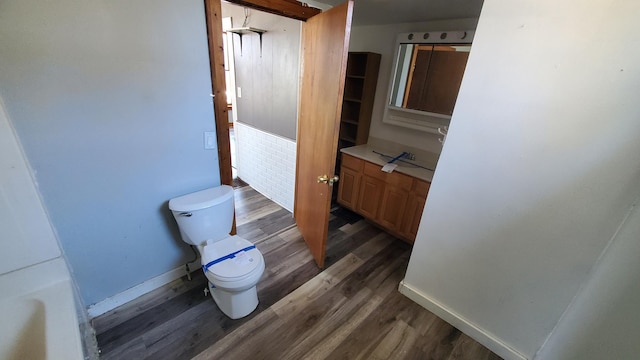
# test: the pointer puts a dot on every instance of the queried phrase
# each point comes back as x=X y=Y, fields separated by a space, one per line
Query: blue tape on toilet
x=226 y=257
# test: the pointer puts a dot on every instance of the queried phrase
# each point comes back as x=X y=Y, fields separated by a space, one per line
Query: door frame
x=213 y=18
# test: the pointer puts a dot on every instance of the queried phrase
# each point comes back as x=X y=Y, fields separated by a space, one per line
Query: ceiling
x=378 y=12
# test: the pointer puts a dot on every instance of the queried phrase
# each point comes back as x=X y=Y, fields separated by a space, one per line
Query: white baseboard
x=133 y=293
x=491 y=342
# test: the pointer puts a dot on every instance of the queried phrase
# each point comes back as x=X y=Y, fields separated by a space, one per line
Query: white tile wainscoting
x=267 y=162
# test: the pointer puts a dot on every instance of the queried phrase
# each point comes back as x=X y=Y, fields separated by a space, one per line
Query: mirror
x=426 y=77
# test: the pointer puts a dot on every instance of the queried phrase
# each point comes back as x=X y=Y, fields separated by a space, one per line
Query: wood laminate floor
x=351 y=310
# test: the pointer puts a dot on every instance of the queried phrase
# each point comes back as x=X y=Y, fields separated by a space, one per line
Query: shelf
x=348 y=131
x=347 y=138
x=357 y=101
x=351 y=110
x=247 y=30
x=354 y=88
x=357 y=64
x=350 y=121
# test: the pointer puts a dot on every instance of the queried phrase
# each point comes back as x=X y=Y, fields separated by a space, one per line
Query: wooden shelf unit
x=357 y=105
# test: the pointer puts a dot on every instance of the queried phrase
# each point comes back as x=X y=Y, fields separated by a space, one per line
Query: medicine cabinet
x=426 y=77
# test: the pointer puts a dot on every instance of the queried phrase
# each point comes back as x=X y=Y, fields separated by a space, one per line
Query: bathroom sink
x=399 y=162
x=387 y=158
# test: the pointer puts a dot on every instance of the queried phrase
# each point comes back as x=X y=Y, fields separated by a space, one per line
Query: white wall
x=268 y=163
x=381 y=39
x=110 y=100
x=540 y=167
x=602 y=321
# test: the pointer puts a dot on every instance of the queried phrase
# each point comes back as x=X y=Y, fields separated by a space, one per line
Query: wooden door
x=416 y=90
x=325 y=42
x=444 y=78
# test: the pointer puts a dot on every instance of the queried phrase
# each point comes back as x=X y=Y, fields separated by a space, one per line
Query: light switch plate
x=209 y=140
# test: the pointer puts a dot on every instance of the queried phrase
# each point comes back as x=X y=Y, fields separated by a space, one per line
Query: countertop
x=366 y=152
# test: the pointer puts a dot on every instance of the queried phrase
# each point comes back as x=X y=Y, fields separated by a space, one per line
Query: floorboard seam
x=274 y=234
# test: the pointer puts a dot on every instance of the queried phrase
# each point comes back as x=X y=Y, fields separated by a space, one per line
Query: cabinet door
x=370 y=197
x=392 y=207
x=349 y=187
x=413 y=215
x=415 y=206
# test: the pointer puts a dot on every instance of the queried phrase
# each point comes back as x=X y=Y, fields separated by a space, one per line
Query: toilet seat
x=232 y=263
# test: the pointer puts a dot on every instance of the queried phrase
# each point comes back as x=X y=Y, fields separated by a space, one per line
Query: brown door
x=325 y=41
x=416 y=90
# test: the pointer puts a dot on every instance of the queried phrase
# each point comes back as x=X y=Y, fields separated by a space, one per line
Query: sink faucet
x=404 y=154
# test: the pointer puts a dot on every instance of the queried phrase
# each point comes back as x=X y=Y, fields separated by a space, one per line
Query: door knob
x=328 y=180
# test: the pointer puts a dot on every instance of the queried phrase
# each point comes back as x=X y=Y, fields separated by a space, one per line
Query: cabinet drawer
x=351 y=162
x=420 y=188
x=394 y=179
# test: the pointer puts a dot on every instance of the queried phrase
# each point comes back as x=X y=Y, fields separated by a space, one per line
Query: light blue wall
x=110 y=100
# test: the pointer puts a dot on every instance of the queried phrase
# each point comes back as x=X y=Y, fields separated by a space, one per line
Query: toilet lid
x=232 y=257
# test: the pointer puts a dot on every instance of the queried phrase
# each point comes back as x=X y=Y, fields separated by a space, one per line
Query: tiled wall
x=267 y=162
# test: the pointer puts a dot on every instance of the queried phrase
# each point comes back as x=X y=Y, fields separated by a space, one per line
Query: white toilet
x=232 y=264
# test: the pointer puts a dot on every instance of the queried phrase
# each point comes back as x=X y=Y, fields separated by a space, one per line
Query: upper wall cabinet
x=426 y=78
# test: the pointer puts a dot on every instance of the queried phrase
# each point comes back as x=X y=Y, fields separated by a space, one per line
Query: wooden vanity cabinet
x=392 y=200
x=390 y=196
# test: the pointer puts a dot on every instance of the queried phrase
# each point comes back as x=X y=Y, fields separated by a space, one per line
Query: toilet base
x=235 y=305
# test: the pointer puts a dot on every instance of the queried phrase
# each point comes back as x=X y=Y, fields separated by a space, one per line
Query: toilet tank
x=204 y=215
